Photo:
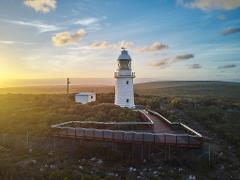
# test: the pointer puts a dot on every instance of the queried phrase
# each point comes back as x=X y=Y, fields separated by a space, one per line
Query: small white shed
x=85 y=97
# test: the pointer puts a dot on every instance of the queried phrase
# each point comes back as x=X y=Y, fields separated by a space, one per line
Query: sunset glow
x=168 y=40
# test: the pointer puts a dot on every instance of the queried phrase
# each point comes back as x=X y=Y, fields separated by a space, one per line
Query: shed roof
x=85 y=94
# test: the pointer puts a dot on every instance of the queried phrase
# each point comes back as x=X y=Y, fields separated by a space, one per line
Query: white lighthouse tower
x=124 y=95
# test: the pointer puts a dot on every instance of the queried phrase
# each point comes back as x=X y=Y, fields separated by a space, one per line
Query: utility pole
x=68 y=83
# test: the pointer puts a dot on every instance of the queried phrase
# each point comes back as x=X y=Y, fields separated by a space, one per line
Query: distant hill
x=159 y=88
x=56 y=89
x=190 y=88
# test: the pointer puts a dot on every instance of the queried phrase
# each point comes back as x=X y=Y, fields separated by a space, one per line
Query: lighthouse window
x=127 y=82
x=127 y=100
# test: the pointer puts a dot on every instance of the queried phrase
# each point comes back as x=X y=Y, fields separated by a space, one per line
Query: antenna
x=68 y=83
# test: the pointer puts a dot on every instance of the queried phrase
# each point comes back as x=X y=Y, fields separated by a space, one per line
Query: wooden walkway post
x=142 y=152
x=169 y=152
x=53 y=143
x=209 y=155
x=27 y=139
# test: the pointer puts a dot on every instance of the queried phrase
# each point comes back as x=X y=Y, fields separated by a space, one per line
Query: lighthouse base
x=124 y=95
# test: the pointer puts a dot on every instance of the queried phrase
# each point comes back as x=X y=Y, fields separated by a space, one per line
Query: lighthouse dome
x=124 y=55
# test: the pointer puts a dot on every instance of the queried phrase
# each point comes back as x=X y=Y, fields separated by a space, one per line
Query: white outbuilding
x=85 y=97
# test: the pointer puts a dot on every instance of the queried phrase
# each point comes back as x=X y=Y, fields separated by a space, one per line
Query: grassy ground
x=35 y=113
x=213 y=108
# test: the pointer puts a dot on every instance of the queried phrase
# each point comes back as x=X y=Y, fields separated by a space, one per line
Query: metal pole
x=141 y=151
x=68 y=82
x=53 y=143
x=27 y=137
x=149 y=151
x=132 y=150
x=209 y=155
x=169 y=152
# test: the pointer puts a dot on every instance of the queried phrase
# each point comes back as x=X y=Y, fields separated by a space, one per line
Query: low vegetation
x=212 y=109
x=35 y=113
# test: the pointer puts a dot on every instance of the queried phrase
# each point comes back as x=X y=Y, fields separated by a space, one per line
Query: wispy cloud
x=227 y=66
x=106 y=44
x=124 y=44
x=231 y=31
x=184 y=57
x=168 y=61
x=43 y=6
x=194 y=66
x=156 y=46
x=128 y=45
x=210 y=4
x=42 y=27
x=65 y=38
x=87 y=21
x=16 y=42
x=90 y=23
x=100 y=45
x=7 y=42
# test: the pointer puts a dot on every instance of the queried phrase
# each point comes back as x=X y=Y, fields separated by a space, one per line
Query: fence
x=116 y=136
x=71 y=129
x=145 y=124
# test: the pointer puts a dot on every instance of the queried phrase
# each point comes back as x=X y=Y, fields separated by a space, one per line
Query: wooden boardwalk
x=163 y=133
x=160 y=126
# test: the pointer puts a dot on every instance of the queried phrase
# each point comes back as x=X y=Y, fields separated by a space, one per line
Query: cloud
x=156 y=46
x=168 y=61
x=184 y=57
x=125 y=44
x=228 y=66
x=195 y=66
x=42 y=27
x=230 y=31
x=65 y=38
x=43 y=6
x=161 y=63
x=118 y=45
x=16 y=42
x=100 y=45
x=7 y=42
x=90 y=23
x=87 y=21
x=210 y=4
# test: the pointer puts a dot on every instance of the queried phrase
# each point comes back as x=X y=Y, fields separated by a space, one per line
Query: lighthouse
x=124 y=94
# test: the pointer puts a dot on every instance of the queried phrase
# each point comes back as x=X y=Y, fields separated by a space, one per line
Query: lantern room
x=124 y=61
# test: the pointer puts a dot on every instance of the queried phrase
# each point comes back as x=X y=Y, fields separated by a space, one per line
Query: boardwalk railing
x=71 y=130
x=145 y=124
x=182 y=140
x=76 y=123
x=181 y=125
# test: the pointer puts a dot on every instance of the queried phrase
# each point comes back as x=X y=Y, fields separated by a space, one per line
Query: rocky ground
x=96 y=162
x=66 y=167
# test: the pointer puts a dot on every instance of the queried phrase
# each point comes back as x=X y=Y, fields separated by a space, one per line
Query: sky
x=167 y=39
